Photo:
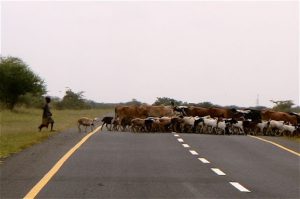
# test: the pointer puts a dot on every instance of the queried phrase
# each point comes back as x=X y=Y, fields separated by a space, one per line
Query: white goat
x=210 y=123
x=288 y=128
x=262 y=125
x=85 y=121
x=275 y=127
x=239 y=127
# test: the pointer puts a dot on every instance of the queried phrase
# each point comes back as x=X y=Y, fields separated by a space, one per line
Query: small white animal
x=85 y=121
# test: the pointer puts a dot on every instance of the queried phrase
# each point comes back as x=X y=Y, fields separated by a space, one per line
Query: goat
x=107 y=121
x=84 y=121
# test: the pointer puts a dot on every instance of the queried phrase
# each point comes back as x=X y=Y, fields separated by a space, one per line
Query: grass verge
x=19 y=128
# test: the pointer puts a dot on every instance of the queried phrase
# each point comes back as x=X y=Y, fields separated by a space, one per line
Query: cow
x=296 y=115
x=126 y=113
x=224 y=113
x=279 y=116
x=159 y=111
x=192 y=111
x=181 y=110
x=130 y=112
x=251 y=114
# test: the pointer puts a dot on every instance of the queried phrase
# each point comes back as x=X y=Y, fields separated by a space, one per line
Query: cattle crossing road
x=153 y=165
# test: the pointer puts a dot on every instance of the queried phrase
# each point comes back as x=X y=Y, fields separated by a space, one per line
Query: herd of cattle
x=183 y=119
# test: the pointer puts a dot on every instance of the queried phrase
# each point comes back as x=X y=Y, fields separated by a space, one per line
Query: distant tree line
x=19 y=85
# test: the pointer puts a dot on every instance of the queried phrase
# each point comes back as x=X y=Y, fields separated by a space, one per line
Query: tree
x=30 y=100
x=73 y=100
x=206 y=104
x=166 y=101
x=133 y=102
x=284 y=105
x=17 y=79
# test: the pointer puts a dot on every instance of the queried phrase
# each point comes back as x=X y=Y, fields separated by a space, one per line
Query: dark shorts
x=47 y=120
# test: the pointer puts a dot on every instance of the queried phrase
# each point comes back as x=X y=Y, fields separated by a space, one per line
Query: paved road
x=128 y=165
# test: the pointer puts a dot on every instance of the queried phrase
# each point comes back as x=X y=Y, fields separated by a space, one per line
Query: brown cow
x=194 y=111
x=159 y=111
x=279 y=116
x=143 y=111
x=213 y=112
x=126 y=113
x=130 y=112
x=224 y=113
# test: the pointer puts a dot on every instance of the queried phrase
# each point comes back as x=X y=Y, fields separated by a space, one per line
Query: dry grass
x=19 y=129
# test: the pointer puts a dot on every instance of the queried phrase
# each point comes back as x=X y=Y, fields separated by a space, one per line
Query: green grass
x=19 y=128
x=295 y=139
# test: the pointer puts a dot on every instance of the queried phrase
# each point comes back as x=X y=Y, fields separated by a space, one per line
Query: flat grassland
x=19 y=128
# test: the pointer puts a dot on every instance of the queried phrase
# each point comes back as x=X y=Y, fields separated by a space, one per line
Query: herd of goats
x=183 y=119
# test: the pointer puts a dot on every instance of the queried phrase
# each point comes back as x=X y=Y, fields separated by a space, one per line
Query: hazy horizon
x=223 y=52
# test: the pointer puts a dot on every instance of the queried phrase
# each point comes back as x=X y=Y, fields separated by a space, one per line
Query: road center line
x=218 y=171
x=180 y=140
x=39 y=186
x=185 y=145
x=193 y=152
x=239 y=187
x=275 y=144
x=176 y=135
x=203 y=160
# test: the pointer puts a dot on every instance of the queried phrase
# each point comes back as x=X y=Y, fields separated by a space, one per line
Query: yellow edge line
x=39 y=186
x=278 y=145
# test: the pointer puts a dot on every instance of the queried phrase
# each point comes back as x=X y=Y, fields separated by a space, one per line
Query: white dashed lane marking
x=239 y=187
x=218 y=171
x=193 y=152
x=203 y=160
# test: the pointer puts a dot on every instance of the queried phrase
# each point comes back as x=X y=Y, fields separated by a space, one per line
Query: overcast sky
x=224 y=52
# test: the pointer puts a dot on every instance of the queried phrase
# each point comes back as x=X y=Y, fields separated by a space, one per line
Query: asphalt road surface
x=155 y=165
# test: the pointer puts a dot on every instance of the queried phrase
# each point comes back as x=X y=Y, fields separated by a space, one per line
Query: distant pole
x=257 y=100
